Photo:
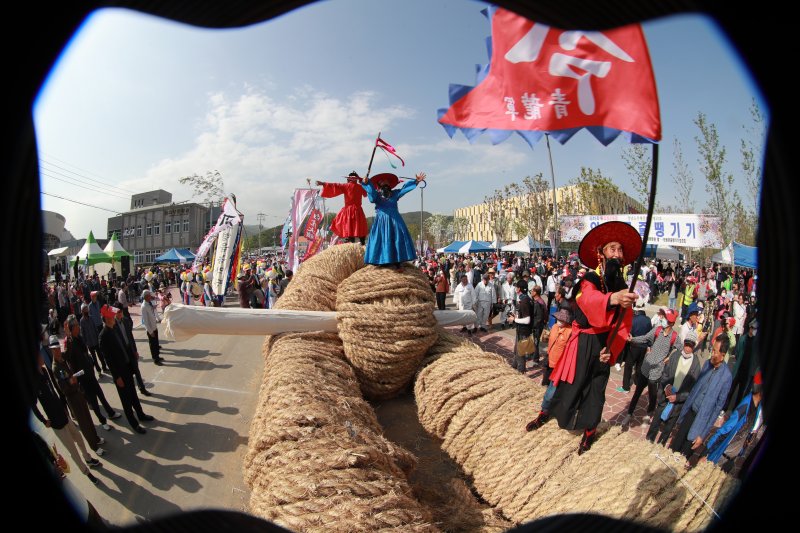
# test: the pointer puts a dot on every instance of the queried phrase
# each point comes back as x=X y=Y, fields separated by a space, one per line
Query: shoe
x=100 y=452
x=537 y=422
x=464 y=328
x=114 y=416
x=146 y=418
x=483 y=329
x=469 y=332
x=646 y=420
x=158 y=362
x=93 y=479
x=101 y=441
x=586 y=442
x=106 y=427
x=140 y=430
x=622 y=389
x=617 y=367
x=94 y=463
x=625 y=420
x=146 y=392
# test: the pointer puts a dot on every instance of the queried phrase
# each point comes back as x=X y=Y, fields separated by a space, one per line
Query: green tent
x=115 y=250
x=93 y=251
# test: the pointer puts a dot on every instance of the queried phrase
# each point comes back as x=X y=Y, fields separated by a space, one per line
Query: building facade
x=479 y=227
x=155 y=224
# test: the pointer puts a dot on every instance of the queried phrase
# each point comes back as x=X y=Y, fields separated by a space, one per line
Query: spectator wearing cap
x=663 y=343
x=677 y=380
x=57 y=418
x=536 y=279
x=746 y=366
x=692 y=322
x=118 y=355
x=150 y=322
x=90 y=337
x=633 y=354
x=485 y=297
x=68 y=384
x=706 y=401
x=740 y=434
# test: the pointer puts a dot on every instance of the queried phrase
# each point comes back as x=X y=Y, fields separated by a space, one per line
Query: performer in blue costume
x=389 y=243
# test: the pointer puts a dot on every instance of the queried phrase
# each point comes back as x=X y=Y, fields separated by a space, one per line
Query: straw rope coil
x=479 y=406
x=318 y=461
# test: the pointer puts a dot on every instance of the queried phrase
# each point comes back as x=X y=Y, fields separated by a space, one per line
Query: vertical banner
x=306 y=216
x=237 y=254
x=228 y=217
x=222 y=260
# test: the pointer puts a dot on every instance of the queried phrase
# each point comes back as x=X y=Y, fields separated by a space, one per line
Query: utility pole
x=260 y=218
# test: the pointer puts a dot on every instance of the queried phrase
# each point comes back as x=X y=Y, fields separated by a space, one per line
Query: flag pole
x=369 y=168
x=555 y=203
x=638 y=263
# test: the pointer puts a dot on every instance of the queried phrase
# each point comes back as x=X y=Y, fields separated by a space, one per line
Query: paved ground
x=203 y=400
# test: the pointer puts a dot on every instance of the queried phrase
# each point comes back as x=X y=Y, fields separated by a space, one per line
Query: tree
x=750 y=146
x=460 y=228
x=533 y=213
x=497 y=216
x=211 y=186
x=684 y=181
x=439 y=227
x=719 y=185
x=639 y=162
x=594 y=194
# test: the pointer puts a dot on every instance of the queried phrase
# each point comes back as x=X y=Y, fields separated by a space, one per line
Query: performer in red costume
x=582 y=373
x=350 y=222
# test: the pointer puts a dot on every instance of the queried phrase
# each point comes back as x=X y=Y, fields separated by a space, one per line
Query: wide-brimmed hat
x=613 y=231
x=563 y=315
x=386 y=178
x=54 y=342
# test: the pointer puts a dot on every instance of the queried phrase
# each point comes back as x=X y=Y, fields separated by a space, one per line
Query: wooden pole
x=369 y=168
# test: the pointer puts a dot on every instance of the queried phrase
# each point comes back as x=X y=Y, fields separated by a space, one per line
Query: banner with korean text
x=686 y=230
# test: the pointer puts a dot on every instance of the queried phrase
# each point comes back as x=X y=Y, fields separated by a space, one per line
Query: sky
x=136 y=102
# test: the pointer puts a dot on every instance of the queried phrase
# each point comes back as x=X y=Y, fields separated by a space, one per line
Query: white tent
x=497 y=244
x=59 y=252
x=523 y=245
x=663 y=251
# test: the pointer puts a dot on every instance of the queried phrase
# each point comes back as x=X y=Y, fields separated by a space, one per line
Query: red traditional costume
x=350 y=222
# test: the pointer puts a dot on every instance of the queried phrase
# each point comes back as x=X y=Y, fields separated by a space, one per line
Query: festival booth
x=91 y=255
x=175 y=255
x=662 y=251
x=472 y=247
x=115 y=250
x=737 y=254
x=526 y=245
x=452 y=248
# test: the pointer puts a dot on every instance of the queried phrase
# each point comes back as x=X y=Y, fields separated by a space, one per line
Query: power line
x=92 y=189
x=104 y=182
x=81 y=203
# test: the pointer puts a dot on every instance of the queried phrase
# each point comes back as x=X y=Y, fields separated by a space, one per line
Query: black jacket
x=116 y=351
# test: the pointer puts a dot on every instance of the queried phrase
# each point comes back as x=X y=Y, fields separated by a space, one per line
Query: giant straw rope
x=318 y=461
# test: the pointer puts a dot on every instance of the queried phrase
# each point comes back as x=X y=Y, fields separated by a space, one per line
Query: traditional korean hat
x=389 y=179
x=605 y=233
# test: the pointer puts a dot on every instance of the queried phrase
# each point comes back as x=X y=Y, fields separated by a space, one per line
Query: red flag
x=542 y=79
x=389 y=149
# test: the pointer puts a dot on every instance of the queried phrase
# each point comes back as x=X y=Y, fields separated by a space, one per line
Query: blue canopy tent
x=738 y=254
x=471 y=247
x=453 y=247
x=175 y=255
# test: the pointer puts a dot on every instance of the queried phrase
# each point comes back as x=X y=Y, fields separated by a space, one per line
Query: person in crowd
x=539 y=318
x=522 y=319
x=113 y=345
x=633 y=354
x=740 y=314
x=125 y=326
x=442 y=288
x=285 y=282
x=485 y=297
x=465 y=300
x=557 y=341
x=76 y=354
x=704 y=405
x=692 y=322
x=245 y=286
x=745 y=368
x=390 y=243
x=679 y=376
x=551 y=285
x=68 y=384
x=726 y=330
x=582 y=372
x=663 y=343
x=89 y=335
x=150 y=323
x=732 y=444
x=57 y=419
x=350 y=222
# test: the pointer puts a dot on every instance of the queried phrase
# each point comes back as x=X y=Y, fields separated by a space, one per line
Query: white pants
x=482 y=310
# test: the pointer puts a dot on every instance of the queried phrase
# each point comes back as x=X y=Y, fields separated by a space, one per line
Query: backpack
x=671 y=339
